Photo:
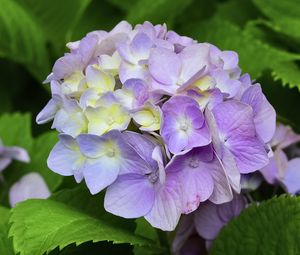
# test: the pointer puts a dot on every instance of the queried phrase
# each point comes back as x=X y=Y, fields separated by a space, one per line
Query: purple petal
x=100 y=173
x=250 y=154
x=166 y=209
x=194 y=58
x=4 y=163
x=222 y=175
x=164 y=66
x=16 y=153
x=207 y=221
x=184 y=230
x=48 y=112
x=142 y=145
x=276 y=167
x=230 y=167
x=129 y=71
x=195 y=178
x=233 y=117
x=284 y=137
x=292 y=176
x=141 y=45
x=230 y=59
x=29 y=186
x=66 y=65
x=225 y=83
x=65 y=160
x=130 y=196
x=264 y=113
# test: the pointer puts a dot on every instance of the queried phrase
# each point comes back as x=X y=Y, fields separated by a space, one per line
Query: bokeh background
x=265 y=33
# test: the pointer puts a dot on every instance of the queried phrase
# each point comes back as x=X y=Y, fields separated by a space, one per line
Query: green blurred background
x=265 y=33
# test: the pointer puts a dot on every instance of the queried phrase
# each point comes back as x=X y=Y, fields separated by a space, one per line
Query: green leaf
x=81 y=199
x=5 y=242
x=98 y=15
x=228 y=11
x=284 y=14
x=15 y=130
x=271 y=228
x=255 y=56
x=57 y=18
x=288 y=73
x=157 y=12
x=22 y=40
x=124 y=5
x=39 y=226
x=145 y=229
x=39 y=153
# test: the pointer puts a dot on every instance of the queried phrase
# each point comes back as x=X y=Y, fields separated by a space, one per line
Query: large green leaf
x=271 y=228
x=228 y=11
x=5 y=242
x=39 y=226
x=158 y=11
x=124 y=5
x=15 y=130
x=22 y=40
x=39 y=153
x=255 y=56
x=57 y=18
x=288 y=73
x=284 y=14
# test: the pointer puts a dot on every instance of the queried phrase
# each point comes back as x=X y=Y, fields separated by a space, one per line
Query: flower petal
x=29 y=186
x=130 y=196
x=166 y=209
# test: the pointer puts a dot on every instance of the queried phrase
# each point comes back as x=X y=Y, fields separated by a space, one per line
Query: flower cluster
x=161 y=121
x=284 y=165
x=196 y=231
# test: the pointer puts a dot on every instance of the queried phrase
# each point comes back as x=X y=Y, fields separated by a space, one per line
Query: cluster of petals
x=283 y=168
x=196 y=231
x=159 y=120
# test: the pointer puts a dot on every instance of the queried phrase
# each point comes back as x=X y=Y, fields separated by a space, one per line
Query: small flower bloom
x=170 y=70
x=202 y=177
x=150 y=193
x=184 y=126
x=233 y=129
x=210 y=218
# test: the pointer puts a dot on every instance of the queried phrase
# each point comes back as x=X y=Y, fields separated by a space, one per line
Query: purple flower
x=201 y=177
x=31 y=185
x=134 y=54
x=210 y=218
x=170 y=70
x=152 y=193
x=184 y=126
x=280 y=169
x=97 y=159
x=133 y=95
x=180 y=42
x=263 y=112
x=8 y=154
x=291 y=179
x=234 y=133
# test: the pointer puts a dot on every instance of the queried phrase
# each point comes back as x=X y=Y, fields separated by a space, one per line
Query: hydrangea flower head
x=163 y=122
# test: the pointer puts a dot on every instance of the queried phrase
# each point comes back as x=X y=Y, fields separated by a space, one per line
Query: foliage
x=274 y=225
